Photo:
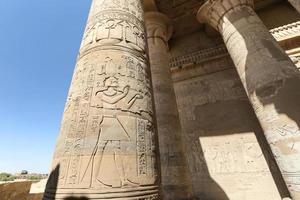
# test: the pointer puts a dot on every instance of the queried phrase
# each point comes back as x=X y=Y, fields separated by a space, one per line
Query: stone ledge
x=198 y=57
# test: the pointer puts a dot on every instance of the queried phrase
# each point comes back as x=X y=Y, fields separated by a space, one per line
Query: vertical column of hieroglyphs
x=106 y=148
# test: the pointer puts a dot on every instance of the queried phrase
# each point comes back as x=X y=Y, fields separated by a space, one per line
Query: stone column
x=270 y=79
x=107 y=143
x=174 y=172
x=295 y=4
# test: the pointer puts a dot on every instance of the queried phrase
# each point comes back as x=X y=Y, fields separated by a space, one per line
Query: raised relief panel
x=237 y=155
x=222 y=154
x=109 y=139
x=118 y=32
x=106 y=148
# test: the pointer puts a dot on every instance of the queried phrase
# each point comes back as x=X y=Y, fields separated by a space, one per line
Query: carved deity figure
x=104 y=150
x=111 y=94
x=110 y=168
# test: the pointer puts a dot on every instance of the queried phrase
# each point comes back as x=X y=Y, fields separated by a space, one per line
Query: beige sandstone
x=107 y=144
x=269 y=77
x=212 y=145
x=174 y=176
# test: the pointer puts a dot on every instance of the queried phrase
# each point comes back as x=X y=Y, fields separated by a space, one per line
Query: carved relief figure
x=111 y=135
x=105 y=141
x=111 y=94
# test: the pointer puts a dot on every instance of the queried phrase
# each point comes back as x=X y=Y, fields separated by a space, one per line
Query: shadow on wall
x=234 y=119
x=277 y=91
x=223 y=154
x=52 y=184
x=267 y=72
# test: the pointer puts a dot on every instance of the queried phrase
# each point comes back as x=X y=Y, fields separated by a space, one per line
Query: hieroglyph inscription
x=234 y=154
x=107 y=138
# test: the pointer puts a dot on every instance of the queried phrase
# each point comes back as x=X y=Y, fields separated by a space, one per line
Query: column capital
x=158 y=25
x=212 y=11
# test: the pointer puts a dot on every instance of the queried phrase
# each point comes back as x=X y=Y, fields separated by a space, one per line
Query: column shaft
x=174 y=172
x=295 y=4
x=107 y=143
x=270 y=79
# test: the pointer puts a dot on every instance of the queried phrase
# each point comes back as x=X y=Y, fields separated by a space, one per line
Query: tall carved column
x=174 y=172
x=107 y=143
x=295 y=4
x=270 y=79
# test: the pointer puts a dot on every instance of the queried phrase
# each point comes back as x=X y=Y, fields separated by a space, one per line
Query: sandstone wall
x=221 y=136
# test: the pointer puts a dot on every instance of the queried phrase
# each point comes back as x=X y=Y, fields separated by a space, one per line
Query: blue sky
x=39 y=42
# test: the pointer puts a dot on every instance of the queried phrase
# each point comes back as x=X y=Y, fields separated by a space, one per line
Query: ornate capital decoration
x=198 y=57
x=212 y=11
x=158 y=26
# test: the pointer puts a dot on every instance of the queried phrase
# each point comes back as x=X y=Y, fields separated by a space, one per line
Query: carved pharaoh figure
x=111 y=134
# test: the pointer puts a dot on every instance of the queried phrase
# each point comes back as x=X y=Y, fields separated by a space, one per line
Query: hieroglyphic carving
x=142 y=148
x=234 y=155
x=107 y=138
x=268 y=76
x=115 y=28
x=104 y=87
x=282 y=136
x=146 y=148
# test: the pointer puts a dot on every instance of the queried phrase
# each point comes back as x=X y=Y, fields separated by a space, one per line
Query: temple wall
x=220 y=130
x=227 y=154
x=272 y=19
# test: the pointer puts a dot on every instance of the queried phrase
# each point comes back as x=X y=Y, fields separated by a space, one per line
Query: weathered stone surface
x=107 y=144
x=174 y=173
x=269 y=77
x=224 y=156
x=296 y=4
x=18 y=191
x=106 y=148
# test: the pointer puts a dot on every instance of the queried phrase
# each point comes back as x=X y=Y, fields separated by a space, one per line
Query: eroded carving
x=115 y=29
x=107 y=139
